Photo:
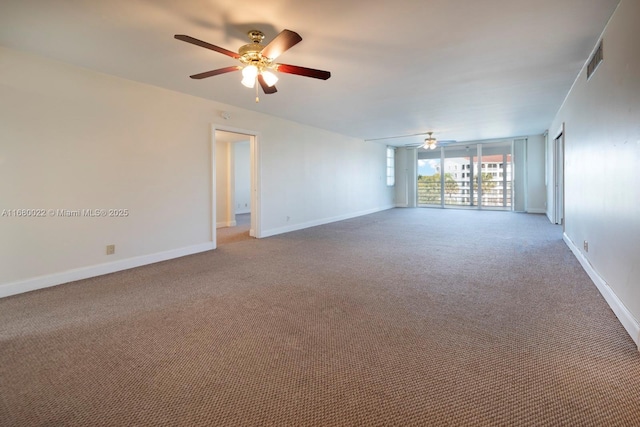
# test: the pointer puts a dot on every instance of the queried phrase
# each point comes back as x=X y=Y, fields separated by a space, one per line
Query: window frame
x=391 y=166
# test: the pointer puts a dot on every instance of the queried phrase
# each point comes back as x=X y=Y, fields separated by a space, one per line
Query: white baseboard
x=625 y=317
x=54 y=279
x=314 y=223
x=226 y=224
x=537 y=211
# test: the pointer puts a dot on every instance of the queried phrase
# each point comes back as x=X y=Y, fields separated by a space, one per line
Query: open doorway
x=235 y=214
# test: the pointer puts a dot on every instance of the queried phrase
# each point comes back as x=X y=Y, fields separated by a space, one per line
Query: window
x=480 y=182
x=391 y=168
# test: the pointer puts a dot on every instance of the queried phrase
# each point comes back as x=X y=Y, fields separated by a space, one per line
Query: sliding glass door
x=496 y=176
x=460 y=166
x=429 y=183
x=466 y=176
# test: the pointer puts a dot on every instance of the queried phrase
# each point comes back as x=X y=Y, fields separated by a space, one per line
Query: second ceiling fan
x=430 y=142
x=258 y=61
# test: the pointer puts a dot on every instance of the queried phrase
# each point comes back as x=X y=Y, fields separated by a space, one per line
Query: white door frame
x=254 y=138
x=558 y=178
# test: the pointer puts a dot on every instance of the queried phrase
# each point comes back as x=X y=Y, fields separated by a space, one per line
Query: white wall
x=315 y=177
x=74 y=139
x=520 y=169
x=224 y=173
x=536 y=188
x=71 y=138
x=602 y=158
x=242 y=177
x=406 y=177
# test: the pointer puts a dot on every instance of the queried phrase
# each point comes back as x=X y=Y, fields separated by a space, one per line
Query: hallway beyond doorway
x=238 y=233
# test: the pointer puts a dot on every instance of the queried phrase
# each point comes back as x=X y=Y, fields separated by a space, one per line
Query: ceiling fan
x=257 y=61
x=430 y=142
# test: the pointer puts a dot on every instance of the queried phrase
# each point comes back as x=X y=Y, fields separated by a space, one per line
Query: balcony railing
x=494 y=194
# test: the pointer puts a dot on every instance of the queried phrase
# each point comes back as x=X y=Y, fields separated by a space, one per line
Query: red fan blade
x=206 y=45
x=216 y=72
x=283 y=42
x=266 y=88
x=302 y=71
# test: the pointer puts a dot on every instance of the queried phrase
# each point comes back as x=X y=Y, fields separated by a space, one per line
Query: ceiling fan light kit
x=430 y=142
x=249 y=75
x=269 y=78
x=258 y=61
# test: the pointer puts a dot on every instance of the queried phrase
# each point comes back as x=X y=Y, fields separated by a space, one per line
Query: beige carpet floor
x=408 y=317
x=234 y=234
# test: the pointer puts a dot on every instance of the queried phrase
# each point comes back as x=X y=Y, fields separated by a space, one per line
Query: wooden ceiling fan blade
x=265 y=87
x=283 y=42
x=303 y=71
x=216 y=72
x=206 y=45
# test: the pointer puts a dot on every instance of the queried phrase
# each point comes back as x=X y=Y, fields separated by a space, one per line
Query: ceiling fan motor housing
x=251 y=53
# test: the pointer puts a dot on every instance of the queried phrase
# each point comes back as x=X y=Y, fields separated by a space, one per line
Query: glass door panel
x=458 y=175
x=496 y=176
x=473 y=179
x=429 y=181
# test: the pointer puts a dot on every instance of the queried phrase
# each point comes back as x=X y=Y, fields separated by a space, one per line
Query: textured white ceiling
x=466 y=69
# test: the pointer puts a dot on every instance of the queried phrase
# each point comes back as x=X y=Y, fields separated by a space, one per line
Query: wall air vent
x=595 y=60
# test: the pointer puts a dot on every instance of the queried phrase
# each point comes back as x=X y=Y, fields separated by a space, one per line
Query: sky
x=427 y=167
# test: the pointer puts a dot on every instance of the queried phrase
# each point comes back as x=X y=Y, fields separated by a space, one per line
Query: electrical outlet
x=111 y=249
x=586 y=246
